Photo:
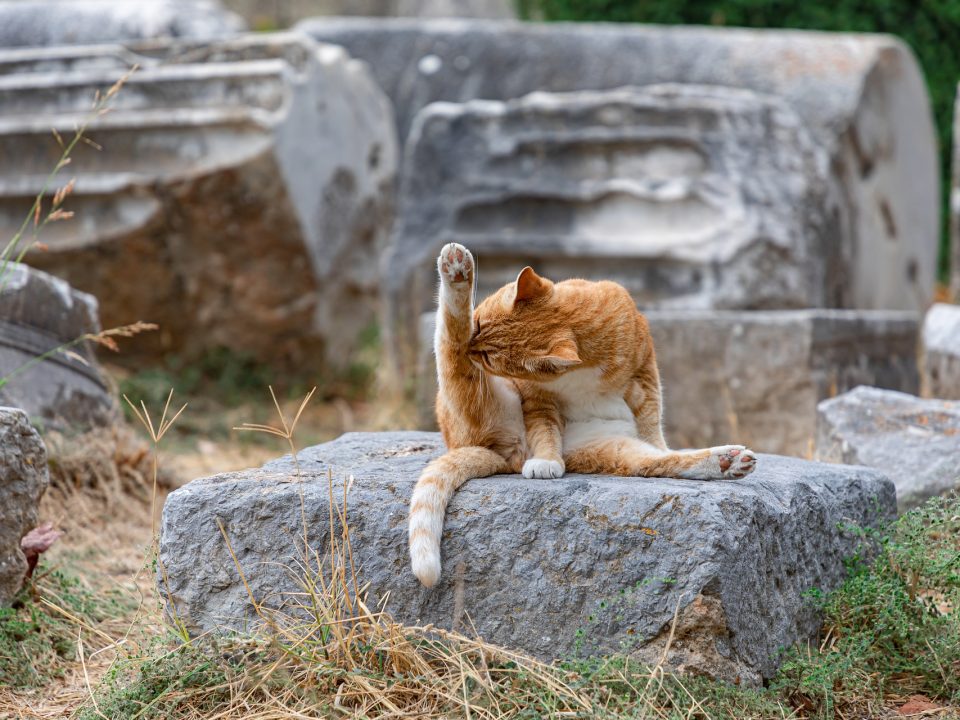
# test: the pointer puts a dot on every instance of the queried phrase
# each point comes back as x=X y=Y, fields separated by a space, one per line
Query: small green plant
x=894 y=625
x=40 y=631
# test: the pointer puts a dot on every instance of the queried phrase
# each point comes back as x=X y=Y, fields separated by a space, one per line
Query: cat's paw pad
x=735 y=461
x=455 y=264
x=543 y=469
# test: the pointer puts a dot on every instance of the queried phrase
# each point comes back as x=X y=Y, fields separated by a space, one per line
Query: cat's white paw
x=725 y=462
x=455 y=264
x=543 y=469
x=734 y=461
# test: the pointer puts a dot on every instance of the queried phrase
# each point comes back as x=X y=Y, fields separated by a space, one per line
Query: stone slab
x=85 y=22
x=243 y=185
x=862 y=97
x=23 y=480
x=915 y=442
x=38 y=313
x=941 y=352
x=576 y=566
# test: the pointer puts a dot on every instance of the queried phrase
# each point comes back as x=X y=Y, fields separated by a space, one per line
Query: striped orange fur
x=542 y=378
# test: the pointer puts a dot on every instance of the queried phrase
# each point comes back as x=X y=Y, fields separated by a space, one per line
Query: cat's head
x=520 y=331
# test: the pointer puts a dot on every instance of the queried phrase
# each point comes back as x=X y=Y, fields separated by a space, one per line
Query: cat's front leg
x=454 y=311
x=544 y=426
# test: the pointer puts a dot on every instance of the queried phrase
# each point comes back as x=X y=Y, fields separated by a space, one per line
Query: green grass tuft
x=893 y=628
x=38 y=633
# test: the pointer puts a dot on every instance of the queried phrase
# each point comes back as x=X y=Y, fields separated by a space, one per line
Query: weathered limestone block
x=23 y=480
x=242 y=189
x=862 y=98
x=283 y=13
x=941 y=352
x=581 y=565
x=754 y=377
x=39 y=312
x=915 y=442
x=85 y=22
x=666 y=189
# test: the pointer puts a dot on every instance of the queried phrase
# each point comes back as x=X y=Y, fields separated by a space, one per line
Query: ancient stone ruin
x=23 y=480
x=68 y=22
x=243 y=188
x=941 y=352
x=39 y=313
x=705 y=169
x=913 y=441
x=577 y=566
x=858 y=100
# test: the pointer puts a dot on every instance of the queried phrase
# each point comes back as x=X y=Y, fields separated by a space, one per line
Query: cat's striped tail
x=428 y=505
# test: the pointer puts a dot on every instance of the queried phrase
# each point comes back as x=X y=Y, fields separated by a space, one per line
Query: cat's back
x=607 y=294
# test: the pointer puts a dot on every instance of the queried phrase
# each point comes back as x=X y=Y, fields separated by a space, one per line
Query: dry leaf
x=36 y=542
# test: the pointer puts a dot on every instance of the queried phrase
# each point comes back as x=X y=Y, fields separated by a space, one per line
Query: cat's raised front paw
x=455 y=264
x=544 y=469
x=735 y=461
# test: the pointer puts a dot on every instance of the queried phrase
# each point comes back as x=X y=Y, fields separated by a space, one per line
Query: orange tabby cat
x=542 y=378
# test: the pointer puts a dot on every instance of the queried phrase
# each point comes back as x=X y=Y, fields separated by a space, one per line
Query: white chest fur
x=590 y=411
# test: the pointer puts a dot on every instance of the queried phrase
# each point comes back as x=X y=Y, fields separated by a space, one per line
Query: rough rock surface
x=755 y=378
x=244 y=186
x=941 y=352
x=86 y=22
x=23 y=480
x=39 y=312
x=582 y=565
x=915 y=442
x=862 y=97
x=752 y=377
x=285 y=13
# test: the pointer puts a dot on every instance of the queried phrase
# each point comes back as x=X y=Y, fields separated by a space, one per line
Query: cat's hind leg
x=428 y=505
x=632 y=457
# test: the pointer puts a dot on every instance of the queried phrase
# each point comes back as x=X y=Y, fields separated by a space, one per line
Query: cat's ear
x=530 y=285
x=563 y=355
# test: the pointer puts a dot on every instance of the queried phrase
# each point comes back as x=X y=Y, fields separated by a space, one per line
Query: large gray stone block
x=862 y=98
x=915 y=442
x=243 y=186
x=580 y=565
x=941 y=352
x=665 y=189
x=38 y=313
x=753 y=377
x=23 y=480
x=86 y=22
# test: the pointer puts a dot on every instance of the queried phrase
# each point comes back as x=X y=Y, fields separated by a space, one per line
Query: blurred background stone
x=860 y=99
x=89 y=22
x=273 y=14
x=914 y=442
x=941 y=352
x=244 y=190
x=38 y=313
x=23 y=480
